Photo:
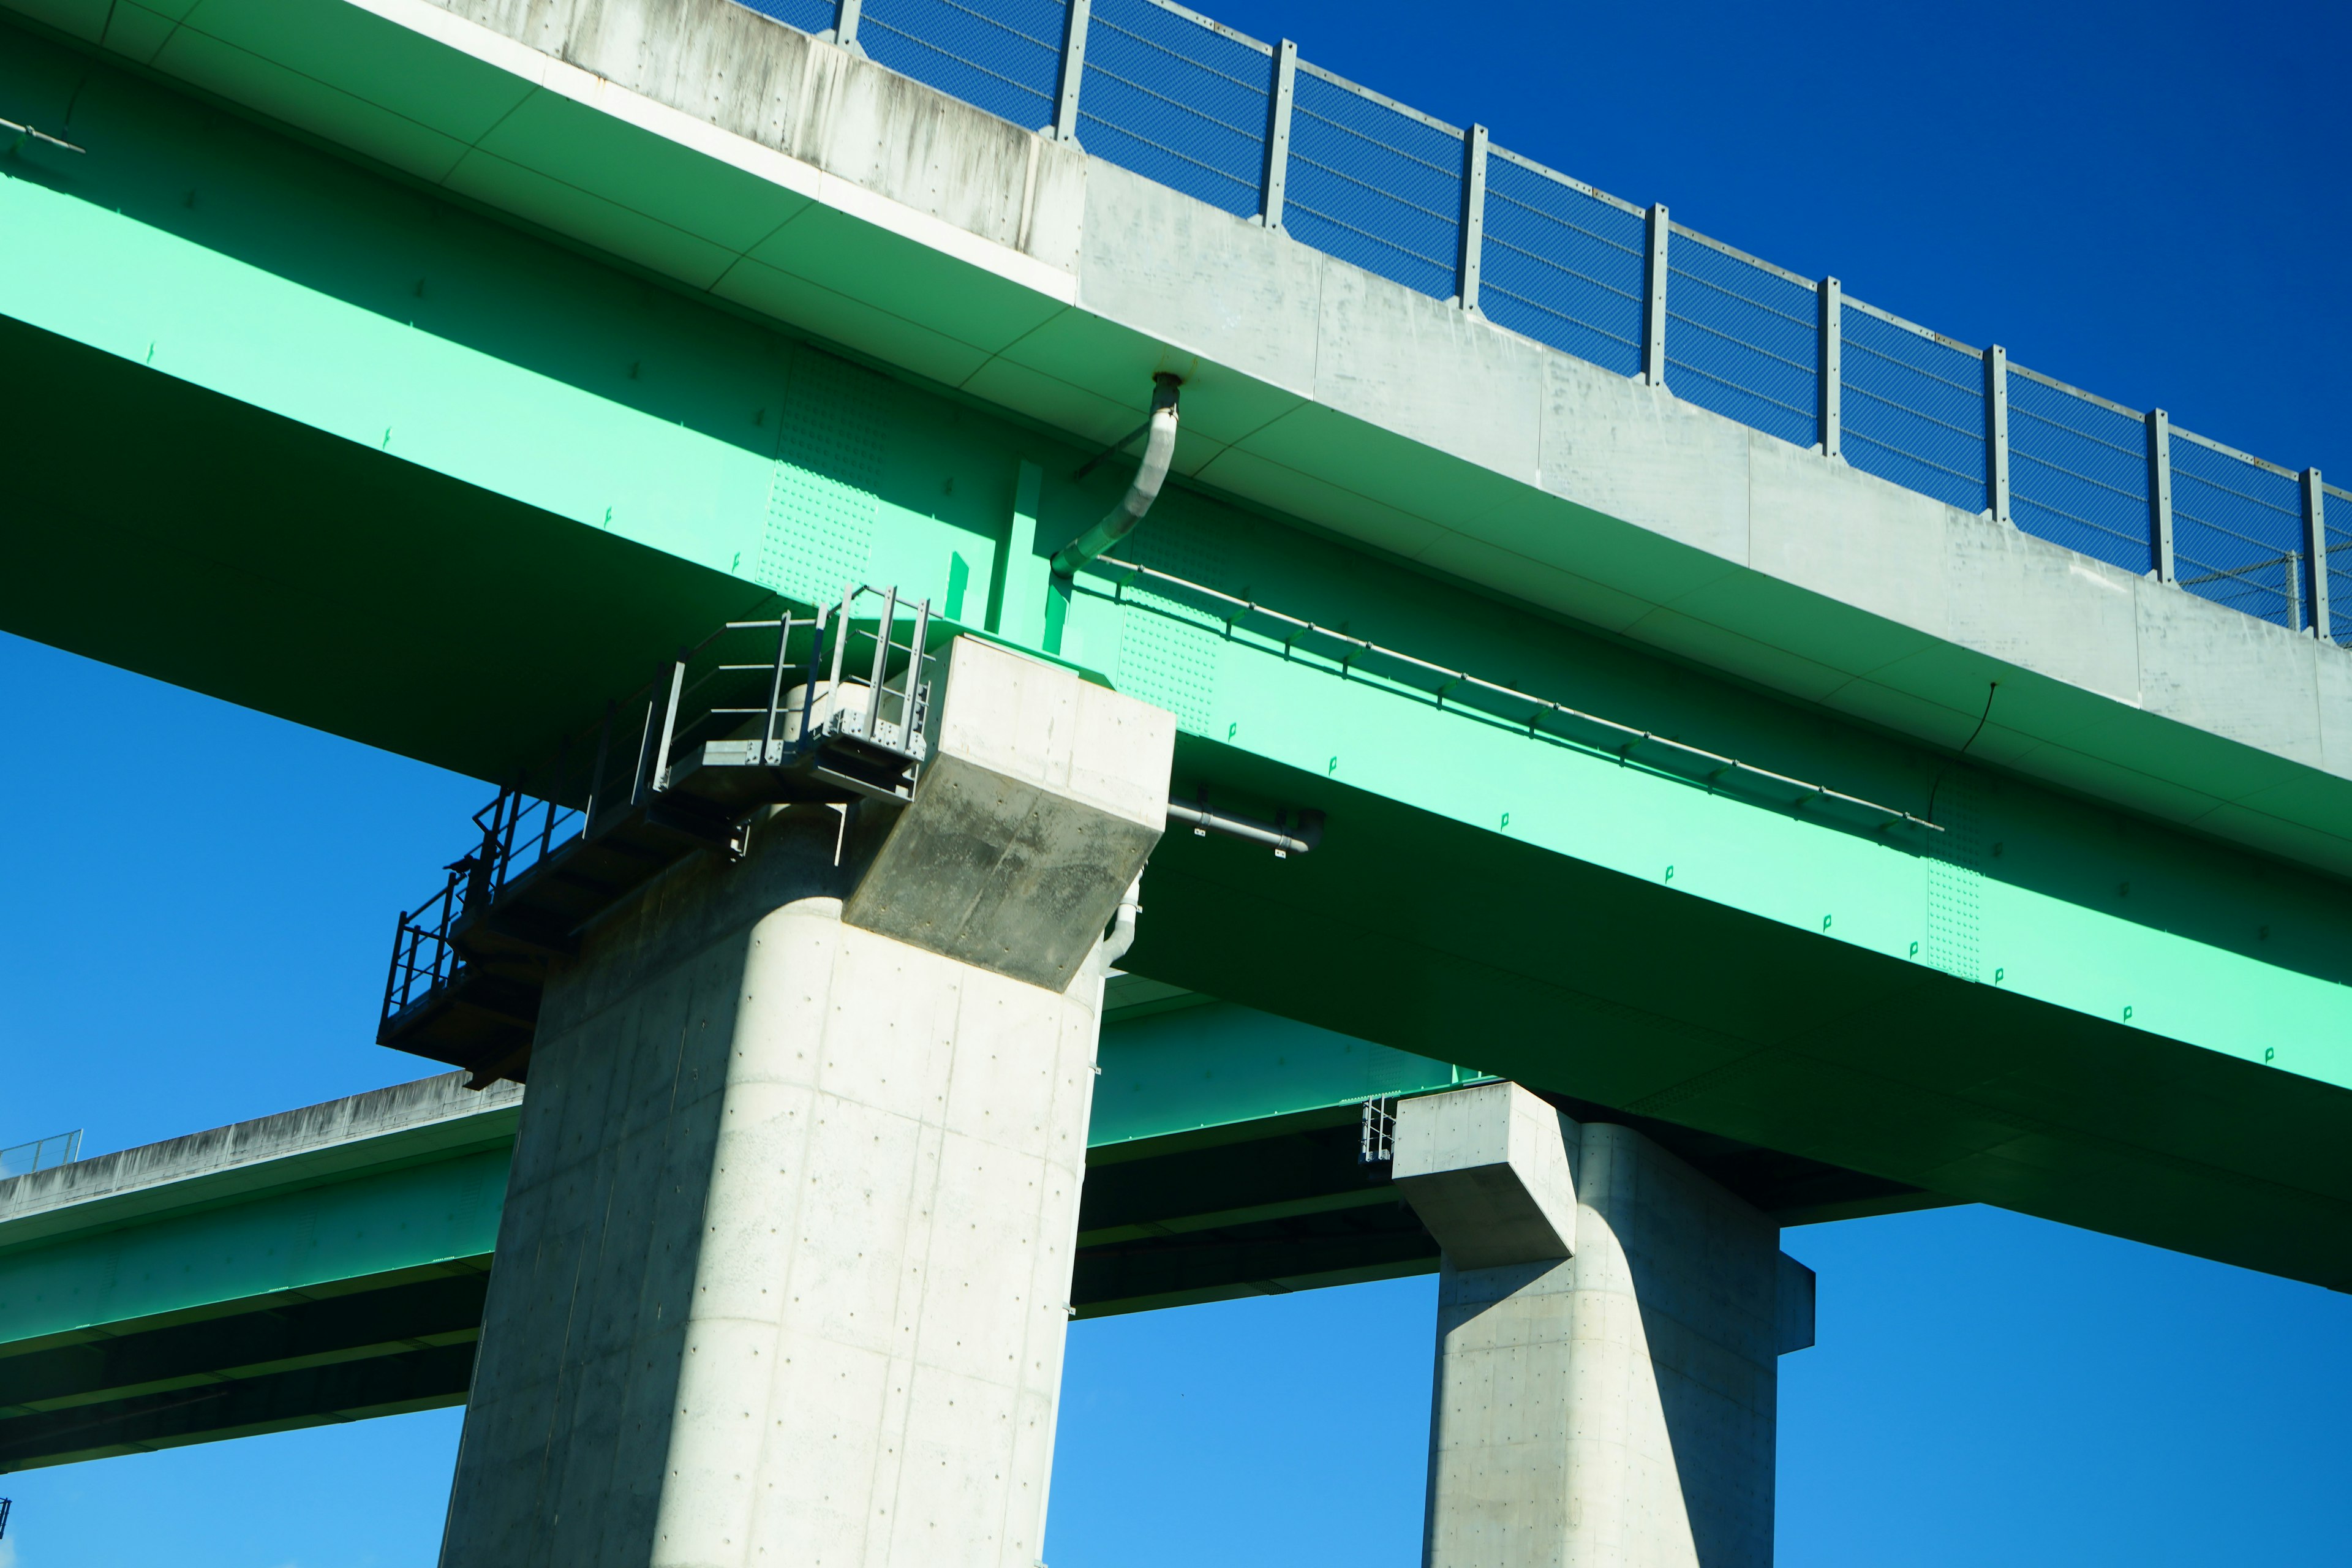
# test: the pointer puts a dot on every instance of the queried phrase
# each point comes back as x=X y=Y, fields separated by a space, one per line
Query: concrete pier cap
x=1043 y=798
x=1487 y=1170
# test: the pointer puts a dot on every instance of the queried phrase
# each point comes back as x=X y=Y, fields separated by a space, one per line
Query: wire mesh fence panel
x=2237 y=531
x=1002 y=56
x=1743 y=339
x=1911 y=406
x=808 y=16
x=2339 y=531
x=2078 y=472
x=1178 y=99
x=42 y=1155
x=1563 y=264
x=1373 y=183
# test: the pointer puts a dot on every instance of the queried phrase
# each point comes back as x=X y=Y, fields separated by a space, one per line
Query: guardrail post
x=2315 y=550
x=1277 y=133
x=1830 y=358
x=1654 y=313
x=845 y=26
x=658 y=780
x=1996 y=372
x=2159 y=491
x=1473 y=214
x=1074 y=70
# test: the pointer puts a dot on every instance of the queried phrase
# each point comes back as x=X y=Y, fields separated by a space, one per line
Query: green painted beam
x=204 y=1290
x=193 y=1298
x=277 y=1246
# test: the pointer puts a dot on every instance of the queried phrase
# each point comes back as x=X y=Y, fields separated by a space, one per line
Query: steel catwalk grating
x=2078 y=473
x=808 y=16
x=1002 y=56
x=1563 y=265
x=1743 y=340
x=1178 y=100
x=1374 y=185
x=1911 y=407
x=2237 y=532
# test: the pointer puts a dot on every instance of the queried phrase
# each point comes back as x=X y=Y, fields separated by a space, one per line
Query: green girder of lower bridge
x=308 y=437
x=330 y=1264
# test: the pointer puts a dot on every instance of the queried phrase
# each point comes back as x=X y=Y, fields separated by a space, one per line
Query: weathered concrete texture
x=784 y=1272
x=1043 y=798
x=314 y=1143
x=1616 y=1407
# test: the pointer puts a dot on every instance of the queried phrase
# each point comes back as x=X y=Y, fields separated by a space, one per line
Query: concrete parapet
x=1617 y=1406
x=425 y=1118
x=784 y=1272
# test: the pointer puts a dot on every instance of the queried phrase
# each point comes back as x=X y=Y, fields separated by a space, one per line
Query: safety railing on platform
x=1251 y=128
x=756 y=694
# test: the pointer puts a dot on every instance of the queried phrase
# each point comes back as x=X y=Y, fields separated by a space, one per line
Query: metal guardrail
x=1251 y=128
x=41 y=1154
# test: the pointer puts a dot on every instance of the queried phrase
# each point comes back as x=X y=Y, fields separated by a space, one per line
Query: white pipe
x=1275 y=836
x=1122 y=925
x=1158 y=450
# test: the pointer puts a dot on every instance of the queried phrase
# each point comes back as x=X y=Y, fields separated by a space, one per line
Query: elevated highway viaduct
x=429 y=373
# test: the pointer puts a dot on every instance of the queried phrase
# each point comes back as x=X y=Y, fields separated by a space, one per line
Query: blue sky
x=2147 y=201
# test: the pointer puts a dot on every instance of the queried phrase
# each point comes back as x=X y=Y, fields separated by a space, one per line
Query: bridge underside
x=293 y=571
x=1553 y=913
x=1241 y=1206
x=170 y=531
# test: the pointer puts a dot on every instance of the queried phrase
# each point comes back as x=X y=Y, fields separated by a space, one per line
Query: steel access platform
x=831 y=708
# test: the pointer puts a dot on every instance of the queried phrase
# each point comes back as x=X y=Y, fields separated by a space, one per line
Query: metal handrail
x=1714 y=763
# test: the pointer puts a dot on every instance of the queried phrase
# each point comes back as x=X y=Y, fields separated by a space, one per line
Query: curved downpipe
x=1122 y=935
x=1121 y=520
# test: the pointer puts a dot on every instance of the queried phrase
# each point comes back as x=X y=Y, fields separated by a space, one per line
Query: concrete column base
x=1614 y=1405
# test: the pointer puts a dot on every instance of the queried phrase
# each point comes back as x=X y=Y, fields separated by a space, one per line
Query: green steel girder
x=372 y=1316
x=2053 y=1005
x=428 y=1378
x=347 y=1280
x=329 y=1284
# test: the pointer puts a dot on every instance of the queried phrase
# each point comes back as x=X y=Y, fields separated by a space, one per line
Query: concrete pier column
x=785 y=1270
x=1608 y=1324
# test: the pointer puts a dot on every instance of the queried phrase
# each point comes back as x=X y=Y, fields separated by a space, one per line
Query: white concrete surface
x=1614 y=1409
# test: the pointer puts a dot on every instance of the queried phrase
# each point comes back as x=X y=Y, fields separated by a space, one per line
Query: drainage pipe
x=1277 y=836
x=1122 y=926
x=1149 y=477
